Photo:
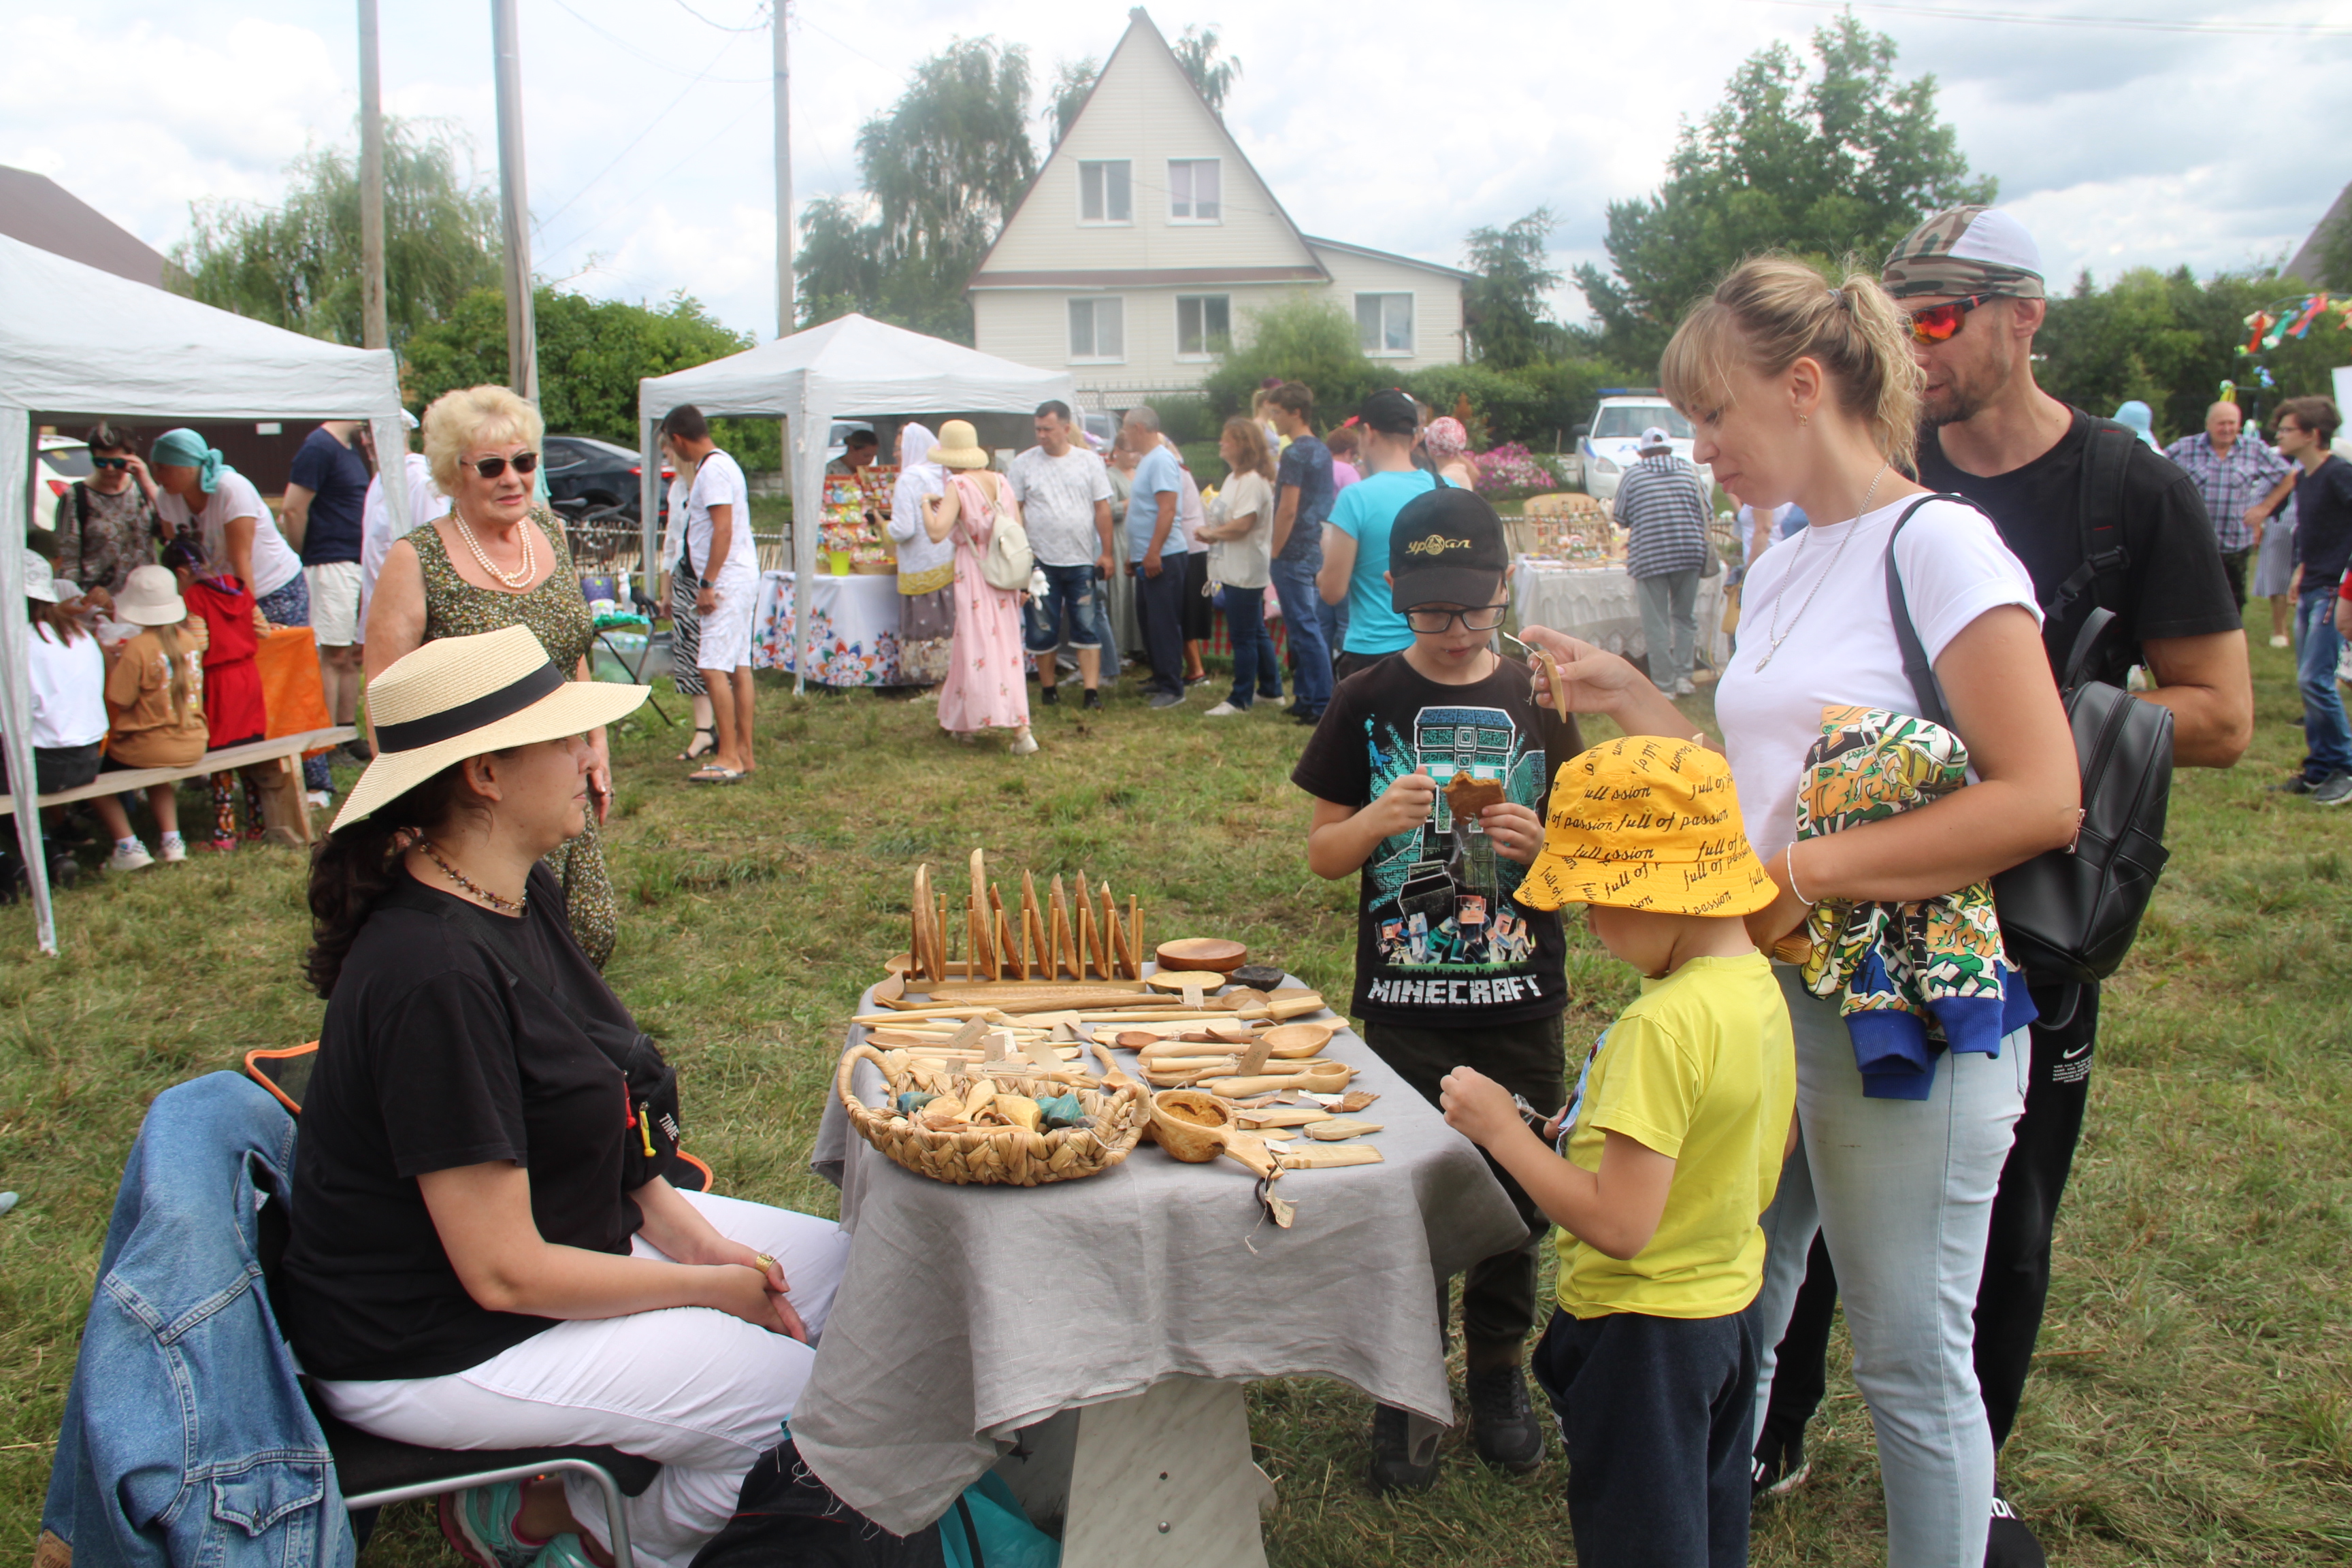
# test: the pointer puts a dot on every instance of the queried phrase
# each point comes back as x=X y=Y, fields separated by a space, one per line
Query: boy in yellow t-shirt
x=1674 y=1143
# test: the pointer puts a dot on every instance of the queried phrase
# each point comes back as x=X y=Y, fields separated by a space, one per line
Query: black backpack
x=786 y=1518
x=2069 y=915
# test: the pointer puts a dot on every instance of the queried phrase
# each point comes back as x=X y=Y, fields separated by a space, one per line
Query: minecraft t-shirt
x=1440 y=943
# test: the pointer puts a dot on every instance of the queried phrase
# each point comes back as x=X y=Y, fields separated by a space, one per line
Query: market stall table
x=1108 y=1325
x=857 y=624
x=1601 y=605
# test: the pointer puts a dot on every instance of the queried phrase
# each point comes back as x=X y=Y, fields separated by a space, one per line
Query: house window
x=1193 y=191
x=1106 y=192
x=1097 y=329
x=1204 y=324
x=1384 y=323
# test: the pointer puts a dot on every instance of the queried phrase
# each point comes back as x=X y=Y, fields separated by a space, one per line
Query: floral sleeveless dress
x=558 y=615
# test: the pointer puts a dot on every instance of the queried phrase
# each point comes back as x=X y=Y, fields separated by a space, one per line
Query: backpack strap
x=1916 y=663
x=2099 y=513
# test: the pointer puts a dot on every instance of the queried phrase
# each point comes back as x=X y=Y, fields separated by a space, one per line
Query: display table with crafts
x=1102 y=1329
x=856 y=621
x=1601 y=605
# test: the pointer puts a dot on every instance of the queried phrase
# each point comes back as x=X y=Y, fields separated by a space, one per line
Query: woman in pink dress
x=987 y=685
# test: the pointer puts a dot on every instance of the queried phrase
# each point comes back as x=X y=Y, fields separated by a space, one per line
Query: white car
x=62 y=461
x=1612 y=443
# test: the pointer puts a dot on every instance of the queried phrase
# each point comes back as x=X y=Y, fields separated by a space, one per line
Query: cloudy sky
x=2156 y=136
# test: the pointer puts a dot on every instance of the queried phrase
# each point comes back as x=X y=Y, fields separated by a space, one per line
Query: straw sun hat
x=959 y=446
x=460 y=697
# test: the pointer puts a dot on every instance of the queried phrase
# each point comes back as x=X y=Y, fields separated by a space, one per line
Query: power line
x=638 y=54
x=2061 y=19
x=683 y=92
x=757 y=27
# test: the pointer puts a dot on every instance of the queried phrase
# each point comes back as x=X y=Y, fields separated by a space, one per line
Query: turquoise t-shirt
x=1363 y=512
x=1157 y=472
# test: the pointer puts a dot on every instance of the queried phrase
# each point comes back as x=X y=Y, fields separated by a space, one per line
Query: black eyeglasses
x=1485 y=618
x=110 y=462
x=491 y=468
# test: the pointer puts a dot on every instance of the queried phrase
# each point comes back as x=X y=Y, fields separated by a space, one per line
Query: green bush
x=1307 y=339
x=1504 y=407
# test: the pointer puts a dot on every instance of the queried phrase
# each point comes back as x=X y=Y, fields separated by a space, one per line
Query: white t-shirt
x=1190 y=513
x=1058 y=497
x=1244 y=563
x=718 y=481
x=377 y=533
x=681 y=486
x=69 y=682
x=275 y=564
x=1842 y=649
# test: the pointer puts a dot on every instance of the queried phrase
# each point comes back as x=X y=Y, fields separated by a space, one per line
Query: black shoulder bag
x=2069 y=915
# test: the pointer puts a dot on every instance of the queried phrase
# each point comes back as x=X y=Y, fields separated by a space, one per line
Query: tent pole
x=783 y=106
x=649 y=490
x=375 y=331
x=16 y=457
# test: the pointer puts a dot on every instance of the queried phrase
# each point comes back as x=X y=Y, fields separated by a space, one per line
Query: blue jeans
x=1302 y=620
x=1669 y=625
x=1902 y=1191
x=1070 y=595
x=2327 y=735
x=1334 y=627
x=1257 y=667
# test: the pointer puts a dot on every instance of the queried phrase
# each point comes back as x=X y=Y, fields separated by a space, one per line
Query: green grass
x=2193 y=1400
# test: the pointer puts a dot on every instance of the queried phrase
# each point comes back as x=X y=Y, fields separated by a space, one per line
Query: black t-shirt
x=2323 y=523
x=1440 y=944
x=337 y=477
x=2174 y=584
x=455 y=1036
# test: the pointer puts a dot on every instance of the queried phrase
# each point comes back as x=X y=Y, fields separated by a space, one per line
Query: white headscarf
x=918 y=476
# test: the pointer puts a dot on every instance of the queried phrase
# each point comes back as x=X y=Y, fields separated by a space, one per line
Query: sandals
x=714 y=774
x=692 y=755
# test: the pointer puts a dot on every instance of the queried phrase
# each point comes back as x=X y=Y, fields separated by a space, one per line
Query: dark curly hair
x=354 y=866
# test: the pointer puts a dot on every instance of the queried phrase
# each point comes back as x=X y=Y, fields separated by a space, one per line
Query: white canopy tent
x=78 y=341
x=852 y=368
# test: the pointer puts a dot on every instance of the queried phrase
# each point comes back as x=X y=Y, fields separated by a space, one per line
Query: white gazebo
x=852 y=368
x=77 y=341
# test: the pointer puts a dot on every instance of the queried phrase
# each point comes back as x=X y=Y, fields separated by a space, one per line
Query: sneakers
x=1405 y=1451
x=1051 y=696
x=2280 y=642
x=1201 y=679
x=1024 y=744
x=2299 y=784
x=1093 y=699
x=1779 y=1465
x=1683 y=688
x=320 y=799
x=2333 y=790
x=1223 y=710
x=479 y=1524
x=172 y=848
x=1167 y=699
x=1503 y=1425
x=130 y=855
x=2009 y=1544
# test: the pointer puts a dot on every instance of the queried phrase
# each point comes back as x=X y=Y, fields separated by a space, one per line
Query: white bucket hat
x=150 y=597
x=460 y=697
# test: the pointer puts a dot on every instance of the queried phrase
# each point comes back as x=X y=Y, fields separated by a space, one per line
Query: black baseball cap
x=1391 y=412
x=1447 y=547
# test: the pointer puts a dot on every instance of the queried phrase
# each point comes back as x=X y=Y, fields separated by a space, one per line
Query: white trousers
x=725 y=642
x=703 y=1392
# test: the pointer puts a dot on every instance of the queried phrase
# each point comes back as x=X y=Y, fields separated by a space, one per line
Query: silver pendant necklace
x=1773 y=636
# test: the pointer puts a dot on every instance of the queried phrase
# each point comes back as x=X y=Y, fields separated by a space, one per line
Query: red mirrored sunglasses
x=1940 y=323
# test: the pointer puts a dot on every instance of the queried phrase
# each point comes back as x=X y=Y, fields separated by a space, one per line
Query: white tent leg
x=391 y=437
x=808 y=487
x=16 y=678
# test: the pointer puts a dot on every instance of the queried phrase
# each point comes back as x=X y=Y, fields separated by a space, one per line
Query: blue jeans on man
x=1073 y=594
x=2327 y=734
x=1302 y=621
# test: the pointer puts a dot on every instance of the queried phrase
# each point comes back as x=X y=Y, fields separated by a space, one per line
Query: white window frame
x=1095 y=327
x=1105 y=221
x=1205 y=351
x=1192 y=202
x=1379 y=348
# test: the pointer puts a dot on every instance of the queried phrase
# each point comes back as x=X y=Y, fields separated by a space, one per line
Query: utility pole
x=514 y=205
x=375 y=330
x=784 y=314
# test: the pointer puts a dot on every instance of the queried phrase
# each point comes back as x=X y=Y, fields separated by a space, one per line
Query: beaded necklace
x=504 y=906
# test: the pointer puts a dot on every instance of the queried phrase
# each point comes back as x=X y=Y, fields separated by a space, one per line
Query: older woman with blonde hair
x=498 y=559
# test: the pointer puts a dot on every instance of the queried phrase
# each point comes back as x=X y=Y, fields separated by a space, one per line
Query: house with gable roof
x=1148 y=239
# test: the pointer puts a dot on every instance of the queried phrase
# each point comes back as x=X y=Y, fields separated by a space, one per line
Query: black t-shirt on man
x=1440 y=943
x=455 y=1036
x=2322 y=524
x=2174 y=584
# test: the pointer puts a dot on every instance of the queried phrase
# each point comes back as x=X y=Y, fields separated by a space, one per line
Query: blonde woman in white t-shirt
x=1805 y=393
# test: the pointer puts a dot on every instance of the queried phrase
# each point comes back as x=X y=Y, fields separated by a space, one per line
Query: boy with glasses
x=1430 y=773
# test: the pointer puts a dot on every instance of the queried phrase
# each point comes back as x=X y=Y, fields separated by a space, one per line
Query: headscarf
x=923 y=566
x=2141 y=419
x=183 y=448
x=1445 y=439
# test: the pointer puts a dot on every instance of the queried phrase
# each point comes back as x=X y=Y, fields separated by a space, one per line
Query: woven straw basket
x=997 y=1156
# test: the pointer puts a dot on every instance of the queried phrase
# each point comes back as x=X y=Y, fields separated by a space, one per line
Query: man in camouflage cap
x=1962 y=252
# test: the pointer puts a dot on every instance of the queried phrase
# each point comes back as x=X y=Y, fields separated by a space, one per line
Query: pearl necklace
x=502 y=905
x=515 y=579
x=1774 y=636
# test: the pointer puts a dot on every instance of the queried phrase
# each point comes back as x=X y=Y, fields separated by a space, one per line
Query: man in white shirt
x=718 y=550
x=1064 y=491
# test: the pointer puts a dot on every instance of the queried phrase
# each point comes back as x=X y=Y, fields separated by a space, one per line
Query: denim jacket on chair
x=187 y=1441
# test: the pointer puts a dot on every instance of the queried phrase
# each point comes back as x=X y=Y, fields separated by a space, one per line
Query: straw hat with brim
x=1644 y=823
x=461 y=697
x=959 y=446
x=150 y=597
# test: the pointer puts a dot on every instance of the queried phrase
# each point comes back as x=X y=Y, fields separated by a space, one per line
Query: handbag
x=2069 y=915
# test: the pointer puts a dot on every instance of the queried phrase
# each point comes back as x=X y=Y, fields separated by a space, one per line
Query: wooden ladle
x=1321 y=1078
x=1196 y=1128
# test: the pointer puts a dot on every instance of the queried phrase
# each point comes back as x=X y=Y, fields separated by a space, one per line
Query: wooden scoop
x=1196 y=1128
x=1289 y=1042
x=1323 y=1078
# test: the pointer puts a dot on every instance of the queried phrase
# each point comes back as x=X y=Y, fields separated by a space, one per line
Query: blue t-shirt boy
x=1364 y=512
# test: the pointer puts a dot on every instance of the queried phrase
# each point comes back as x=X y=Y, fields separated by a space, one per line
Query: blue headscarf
x=183 y=448
x=2141 y=419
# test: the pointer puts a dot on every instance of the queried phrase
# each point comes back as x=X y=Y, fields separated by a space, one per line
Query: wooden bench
x=286 y=751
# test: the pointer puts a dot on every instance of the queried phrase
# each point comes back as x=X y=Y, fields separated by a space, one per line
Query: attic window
x=1193 y=191
x=1106 y=192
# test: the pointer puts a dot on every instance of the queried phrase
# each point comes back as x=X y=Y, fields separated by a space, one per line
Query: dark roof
x=2304 y=263
x=40 y=212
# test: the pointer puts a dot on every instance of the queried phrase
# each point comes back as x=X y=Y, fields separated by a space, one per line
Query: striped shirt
x=1662 y=504
x=2232 y=481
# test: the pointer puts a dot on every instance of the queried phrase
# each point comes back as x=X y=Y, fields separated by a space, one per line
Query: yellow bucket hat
x=1644 y=823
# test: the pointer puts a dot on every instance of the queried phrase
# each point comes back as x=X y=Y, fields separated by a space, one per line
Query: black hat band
x=469 y=716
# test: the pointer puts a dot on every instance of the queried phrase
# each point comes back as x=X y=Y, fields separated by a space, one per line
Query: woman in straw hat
x=497 y=558
x=987 y=687
x=487 y=1252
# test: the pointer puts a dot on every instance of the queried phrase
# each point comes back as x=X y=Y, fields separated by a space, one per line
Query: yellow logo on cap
x=1435 y=544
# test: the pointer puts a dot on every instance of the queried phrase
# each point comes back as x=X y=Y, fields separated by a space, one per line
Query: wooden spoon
x=1322 y=1077
x=1287 y=1042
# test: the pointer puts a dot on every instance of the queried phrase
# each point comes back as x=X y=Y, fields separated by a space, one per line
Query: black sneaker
x=1503 y=1425
x=2333 y=790
x=1779 y=1465
x=2009 y=1544
x=1093 y=699
x=1405 y=1451
x=2295 y=786
x=1050 y=695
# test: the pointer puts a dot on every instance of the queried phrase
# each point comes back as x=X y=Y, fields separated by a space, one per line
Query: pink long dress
x=986 y=688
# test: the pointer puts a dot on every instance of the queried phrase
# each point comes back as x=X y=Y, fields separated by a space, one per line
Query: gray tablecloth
x=1600 y=604
x=969 y=1312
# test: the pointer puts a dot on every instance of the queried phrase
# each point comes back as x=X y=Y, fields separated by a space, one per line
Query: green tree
x=1841 y=163
x=1073 y=79
x=297 y=264
x=591 y=355
x=1503 y=309
x=942 y=171
x=1306 y=338
x=1196 y=51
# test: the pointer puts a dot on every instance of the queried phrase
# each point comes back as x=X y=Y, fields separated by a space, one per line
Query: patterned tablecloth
x=1600 y=604
x=856 y=629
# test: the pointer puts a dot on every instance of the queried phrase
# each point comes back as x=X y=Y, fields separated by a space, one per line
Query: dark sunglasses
x=491 y=468
x=1940 y=323
x=1485 y=618
x=110 y=462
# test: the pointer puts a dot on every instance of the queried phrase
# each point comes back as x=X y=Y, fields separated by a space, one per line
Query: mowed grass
x=2192 y=1402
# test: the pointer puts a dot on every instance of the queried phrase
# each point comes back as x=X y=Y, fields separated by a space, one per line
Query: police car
x=1611 y=446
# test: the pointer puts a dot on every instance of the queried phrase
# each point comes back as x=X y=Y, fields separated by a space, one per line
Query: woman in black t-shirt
x=486 y=1252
